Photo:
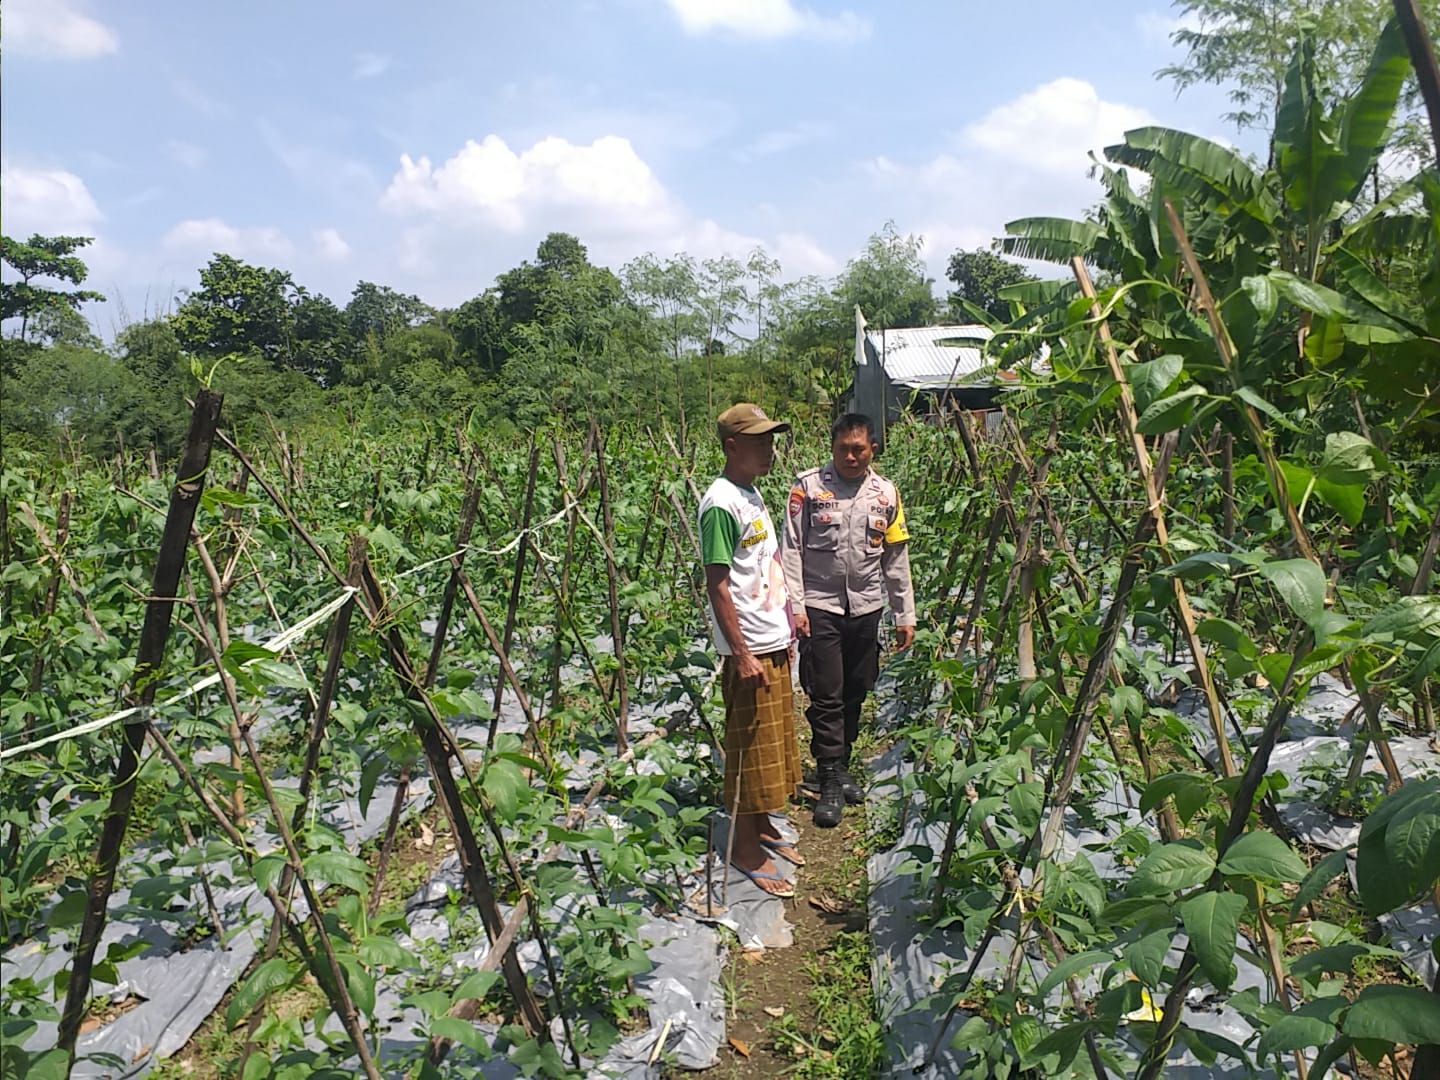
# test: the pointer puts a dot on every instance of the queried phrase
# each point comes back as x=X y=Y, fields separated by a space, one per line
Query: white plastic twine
x=279 y=642
x=511 y=546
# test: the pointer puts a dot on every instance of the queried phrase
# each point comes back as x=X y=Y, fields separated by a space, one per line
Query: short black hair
x=852 y=421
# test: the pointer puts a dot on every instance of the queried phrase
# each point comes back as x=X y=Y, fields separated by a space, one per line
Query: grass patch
x=845 y=1042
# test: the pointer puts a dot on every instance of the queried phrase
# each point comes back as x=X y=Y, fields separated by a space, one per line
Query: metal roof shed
x=942 y=364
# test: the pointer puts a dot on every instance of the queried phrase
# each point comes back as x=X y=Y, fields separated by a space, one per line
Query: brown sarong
x=762 y=757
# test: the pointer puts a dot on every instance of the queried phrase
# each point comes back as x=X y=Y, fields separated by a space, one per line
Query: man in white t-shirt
x=750 y=620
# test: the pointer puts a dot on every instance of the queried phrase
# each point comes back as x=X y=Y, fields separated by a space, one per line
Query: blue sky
x=431 y=146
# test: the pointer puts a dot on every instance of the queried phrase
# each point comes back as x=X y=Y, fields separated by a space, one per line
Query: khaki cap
x=747 y=419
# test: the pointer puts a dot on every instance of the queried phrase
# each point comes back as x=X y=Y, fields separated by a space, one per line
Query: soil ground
x=782 y=980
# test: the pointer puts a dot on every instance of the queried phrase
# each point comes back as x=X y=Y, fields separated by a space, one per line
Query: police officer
x=845 y=553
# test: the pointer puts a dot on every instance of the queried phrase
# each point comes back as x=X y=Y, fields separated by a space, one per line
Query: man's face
x=754 y=453
x=852 y=452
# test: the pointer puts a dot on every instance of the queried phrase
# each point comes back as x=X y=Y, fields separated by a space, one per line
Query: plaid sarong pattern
x=762 y=757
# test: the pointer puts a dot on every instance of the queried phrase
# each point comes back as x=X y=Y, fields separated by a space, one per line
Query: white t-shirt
x=736 y=531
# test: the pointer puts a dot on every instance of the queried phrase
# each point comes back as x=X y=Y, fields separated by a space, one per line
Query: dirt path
x=775 y=998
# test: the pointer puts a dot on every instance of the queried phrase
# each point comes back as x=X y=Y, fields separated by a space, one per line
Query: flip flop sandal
x=758 y=876
x=784 y=850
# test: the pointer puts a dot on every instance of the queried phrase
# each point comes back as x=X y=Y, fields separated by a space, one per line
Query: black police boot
x=848 y=787
x=832 y=796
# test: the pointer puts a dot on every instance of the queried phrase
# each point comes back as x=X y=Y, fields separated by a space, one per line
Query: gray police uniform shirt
x=845 y=545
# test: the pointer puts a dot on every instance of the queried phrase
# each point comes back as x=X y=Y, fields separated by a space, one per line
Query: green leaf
x=383 y=951
x=1385 y=885
x=1262 y=856
x=337 y=868
x=1205 y=564
x=1331 y=1054
x=265 y=979
x=1146 y=956
x=53 y=1064
x=1263 y=297
x=359 y=982
x=266 y=870
x=1150 y=381
x=505 y=786
x=1049 y=239
x=240 y=652
x=1212 y=919
x=1331 y=958
x=1228 y=635
x=1412 y=843
x=1300 y=583
x=1351 y=459
x=1251 y=397
x=1314 y=883
x=1071 y=965
x=1394 y=1014
x=68 y=912
x=460 y=1031
x=1348 y=500
x=1331 y=305
x=1190 y=792
x=1365 y=127
x=1170 y=867
x=1294 y=1031
x=1170 y=412
x=1414 y=619
x=476 y=985
x=1126 y=701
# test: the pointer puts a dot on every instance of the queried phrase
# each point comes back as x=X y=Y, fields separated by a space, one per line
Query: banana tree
x=1326 y=295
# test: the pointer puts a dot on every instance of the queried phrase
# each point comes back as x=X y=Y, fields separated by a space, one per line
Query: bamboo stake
x=1131 y=422
x=1258 y=436
x=61 y=566
x=329 y=977
x=52 y=593
x=1152 y=1064
x=438 y=744
x=517 y=578
x=336 y=989
x=617 y=623
x=1071 y=747
x=184 y=500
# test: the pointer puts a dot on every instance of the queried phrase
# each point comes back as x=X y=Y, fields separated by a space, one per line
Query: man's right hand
x=750 y=670
x=802 y=624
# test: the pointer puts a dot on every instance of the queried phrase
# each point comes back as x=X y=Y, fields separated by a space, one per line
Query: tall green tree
x=241 y=309
x=978 y=277
x=38 y=258
x=888 y=282
x=1247 y=45
x=380 y=311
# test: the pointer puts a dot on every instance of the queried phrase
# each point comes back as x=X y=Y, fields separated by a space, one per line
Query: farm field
x=370 y=742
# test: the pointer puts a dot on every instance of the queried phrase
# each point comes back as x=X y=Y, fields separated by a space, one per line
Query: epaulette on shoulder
x=808 y=473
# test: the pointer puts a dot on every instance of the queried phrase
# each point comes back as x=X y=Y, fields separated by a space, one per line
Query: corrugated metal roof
x=930 y=357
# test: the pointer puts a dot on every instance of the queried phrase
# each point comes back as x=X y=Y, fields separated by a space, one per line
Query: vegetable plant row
x=1222 y=494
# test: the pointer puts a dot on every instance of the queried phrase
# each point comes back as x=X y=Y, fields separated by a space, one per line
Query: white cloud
x=767 y=20
x=1026 y=157
x=56 y=28
x=368 y=64
x=207 y=236
x=490 y=181
x=489 y=204
x=49 y=201
x=186 y=154
x=1054 y=126
x=330 y=245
